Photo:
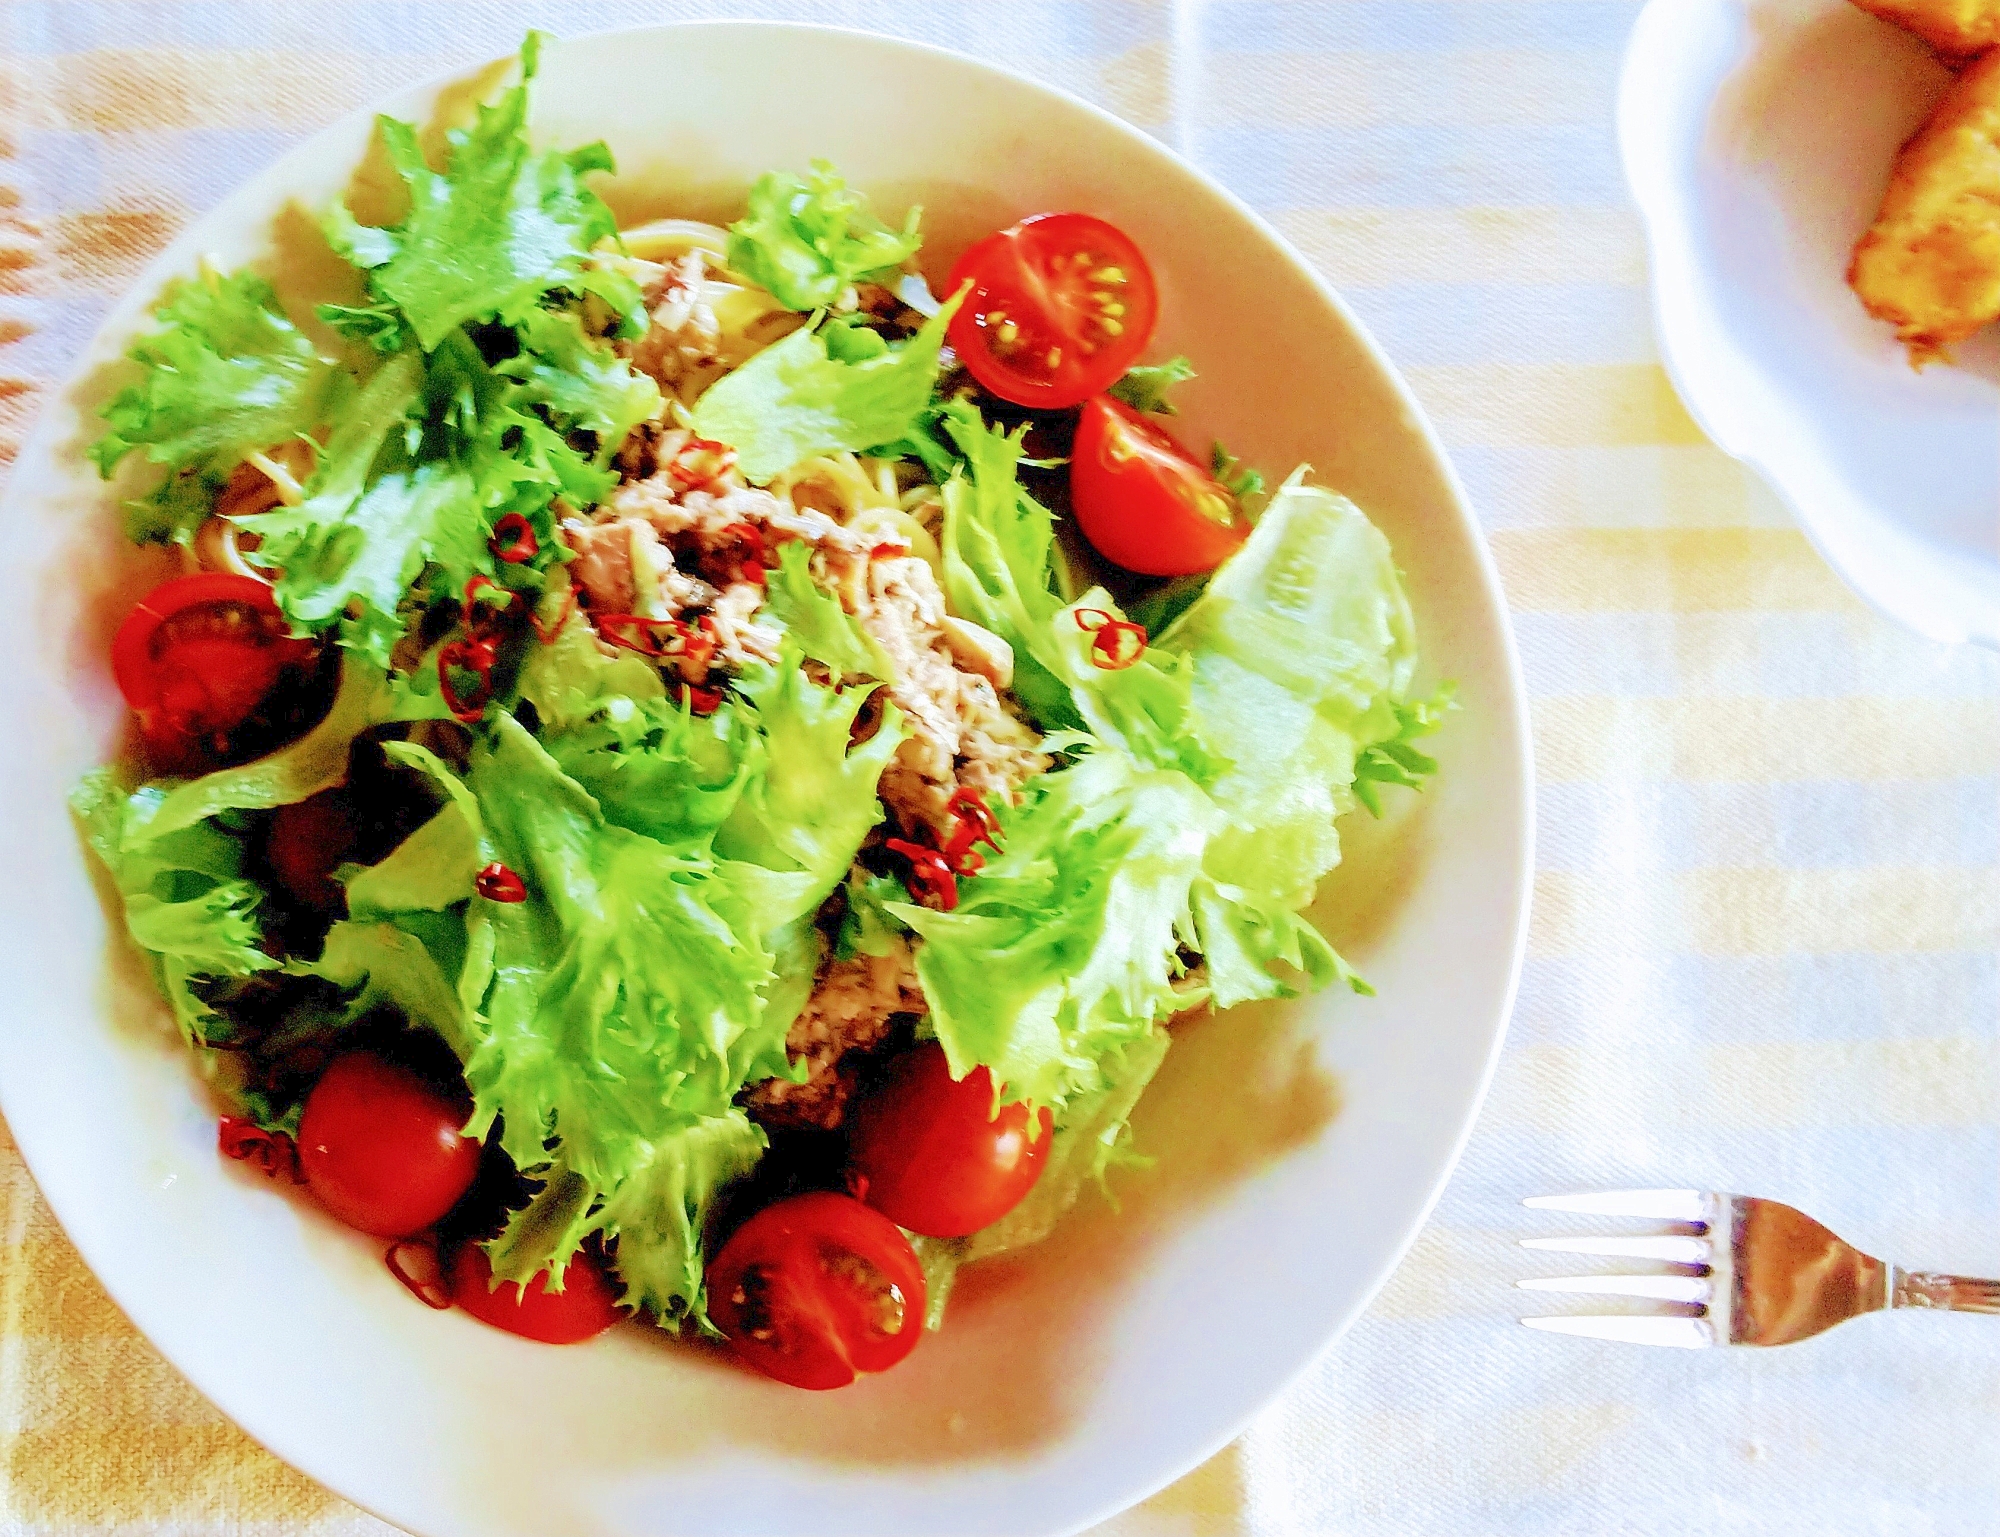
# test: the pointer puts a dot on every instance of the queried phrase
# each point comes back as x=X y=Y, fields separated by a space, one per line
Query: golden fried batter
x=1931 y=264
x=1958 y=27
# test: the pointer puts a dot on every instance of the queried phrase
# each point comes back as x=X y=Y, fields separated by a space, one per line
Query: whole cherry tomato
x=380 y=1148
x=586 y=1306
x=936 y=1157
x=307 y=841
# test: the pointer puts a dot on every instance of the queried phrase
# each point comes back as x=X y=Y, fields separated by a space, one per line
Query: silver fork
x=1759 y=1273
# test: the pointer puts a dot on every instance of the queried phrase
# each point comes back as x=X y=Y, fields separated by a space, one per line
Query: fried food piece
x=1931 y=264
x=1960 y=28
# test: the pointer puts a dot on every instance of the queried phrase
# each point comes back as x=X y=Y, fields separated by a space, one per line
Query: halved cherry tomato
x=586 y=1306
x=936 y=1158
x=307 y=841
x=1143 y=501
x=197 y=656
x=381 y=1149
x=1060 y=306
x=816 y=1290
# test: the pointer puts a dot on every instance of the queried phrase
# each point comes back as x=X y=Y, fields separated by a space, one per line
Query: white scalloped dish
x=1298 y=1147
x=1758 y=136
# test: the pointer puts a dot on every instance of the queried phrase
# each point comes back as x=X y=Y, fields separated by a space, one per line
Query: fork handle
x=1934 y=1289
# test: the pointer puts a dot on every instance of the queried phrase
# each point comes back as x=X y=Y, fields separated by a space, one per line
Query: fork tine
x=1681 y=1333
x=1679 y=1251
x=1665 y=1288
x=1662 y=1205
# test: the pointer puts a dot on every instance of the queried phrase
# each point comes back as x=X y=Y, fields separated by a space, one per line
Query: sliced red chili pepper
x=247 y=1142
x=416 y=1263
x=976 y=824
x=700 y=462
x=467 y=656
x=497 y=883
x=1089 y=619
x=636 y=632
x=698 y=645
x=751 y=565
x=703 y=701
x=482 y=592
x=887 y=551
x=1117 y=645
x=514 y=542
x=929 y=877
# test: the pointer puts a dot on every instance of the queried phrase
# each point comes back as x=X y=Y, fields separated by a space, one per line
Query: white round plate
x=1758 y=137
x=1298 y=1148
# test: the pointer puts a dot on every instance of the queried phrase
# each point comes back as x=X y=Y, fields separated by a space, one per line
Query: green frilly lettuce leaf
x=224 y=374
x=807 y=238
x=490 y=233
x=797 y=399
x=999 y=548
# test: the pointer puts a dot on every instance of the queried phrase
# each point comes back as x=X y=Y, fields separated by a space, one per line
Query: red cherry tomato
x=586 y=1306
x=816 y=1290
x=381 y=1148
x=1143 y=501
x=198 y=654
x=1060 y=306
x=307 y=841
x=936 y=1158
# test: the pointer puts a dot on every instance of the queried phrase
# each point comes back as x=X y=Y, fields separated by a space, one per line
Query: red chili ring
x=475 y=657
x=497 y=883
x=426 y=1282
x=929 y=875
x=1117 y=645
x=514 y=542
x=247 y=1142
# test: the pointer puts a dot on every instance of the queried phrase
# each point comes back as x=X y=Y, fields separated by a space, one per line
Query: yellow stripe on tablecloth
x=1750 y=738
x=1553 y=405
x=1471 y=88
x=1209 y=1500
x=1775 y=1086
x=1679 y=569
x=1378 y=247
x=1758 y=911
x=155 y=1473
x=112 y=90
x=1649 y=486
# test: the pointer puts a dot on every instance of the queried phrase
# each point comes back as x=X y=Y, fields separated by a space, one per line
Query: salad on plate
x=689 y=774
